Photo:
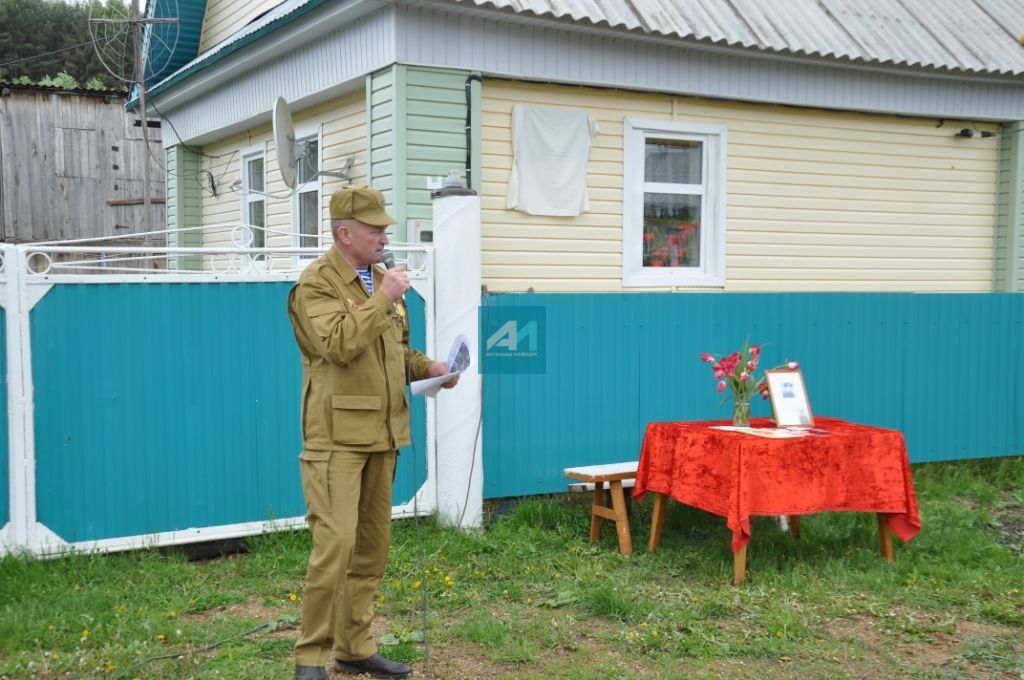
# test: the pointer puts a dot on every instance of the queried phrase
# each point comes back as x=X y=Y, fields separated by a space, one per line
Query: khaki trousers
x=348 y=509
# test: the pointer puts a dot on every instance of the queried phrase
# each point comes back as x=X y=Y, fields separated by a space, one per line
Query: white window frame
x=302 y=133
x=711 y=270
x=248 y=196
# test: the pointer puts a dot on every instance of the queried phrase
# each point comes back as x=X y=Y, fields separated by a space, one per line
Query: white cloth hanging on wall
x=550 y=150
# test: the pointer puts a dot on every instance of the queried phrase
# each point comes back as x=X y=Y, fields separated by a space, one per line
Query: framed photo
x=789 y=398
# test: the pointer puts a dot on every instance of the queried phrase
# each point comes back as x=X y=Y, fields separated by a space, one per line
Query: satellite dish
x=284 y=140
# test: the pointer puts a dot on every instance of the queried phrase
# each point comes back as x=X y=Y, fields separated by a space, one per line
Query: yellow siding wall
x=816 y=200
x=343 y=133
x=224 y=17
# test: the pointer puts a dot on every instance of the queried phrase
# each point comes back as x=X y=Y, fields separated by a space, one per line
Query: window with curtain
x=673 y=204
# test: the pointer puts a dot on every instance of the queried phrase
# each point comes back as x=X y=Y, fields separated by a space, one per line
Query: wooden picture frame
x=790 y=405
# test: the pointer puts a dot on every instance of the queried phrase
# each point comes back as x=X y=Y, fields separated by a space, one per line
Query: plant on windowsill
x=669 y=243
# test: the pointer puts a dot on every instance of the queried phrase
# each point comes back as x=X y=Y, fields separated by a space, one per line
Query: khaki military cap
x=363 y=203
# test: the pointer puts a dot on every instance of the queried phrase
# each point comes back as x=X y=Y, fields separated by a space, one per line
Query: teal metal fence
x=166 y=406
x=411 y=471
x=940 y=367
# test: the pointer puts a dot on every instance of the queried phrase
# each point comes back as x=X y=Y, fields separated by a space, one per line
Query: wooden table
x=853 y=468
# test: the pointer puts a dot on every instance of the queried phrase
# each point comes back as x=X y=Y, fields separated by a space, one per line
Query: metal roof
x=976 y=36
x=970 y=36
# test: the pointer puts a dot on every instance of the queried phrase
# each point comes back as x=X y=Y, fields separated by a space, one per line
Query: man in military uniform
x=352 y=331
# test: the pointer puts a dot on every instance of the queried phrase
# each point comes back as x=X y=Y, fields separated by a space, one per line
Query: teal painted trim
x=411 y=472
x=5 y=444
x=129 y=442
x=915 y=362
x=228 y=50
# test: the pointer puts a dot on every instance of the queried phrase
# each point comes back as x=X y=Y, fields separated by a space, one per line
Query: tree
x=36 y=36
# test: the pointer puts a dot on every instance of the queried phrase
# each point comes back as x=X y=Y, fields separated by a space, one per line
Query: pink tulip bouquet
x=738 y=371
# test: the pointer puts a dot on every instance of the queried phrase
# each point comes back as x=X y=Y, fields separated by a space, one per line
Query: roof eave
x=200 y=76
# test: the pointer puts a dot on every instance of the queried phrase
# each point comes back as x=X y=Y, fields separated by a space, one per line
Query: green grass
x=529 y=597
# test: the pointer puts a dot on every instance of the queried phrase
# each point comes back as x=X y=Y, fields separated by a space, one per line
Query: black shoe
x=311 y=673
x=377 y=666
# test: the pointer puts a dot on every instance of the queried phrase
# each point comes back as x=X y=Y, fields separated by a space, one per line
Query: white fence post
x=21 y=470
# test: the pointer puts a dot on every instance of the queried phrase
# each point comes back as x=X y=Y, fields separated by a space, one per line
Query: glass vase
x=741 y=413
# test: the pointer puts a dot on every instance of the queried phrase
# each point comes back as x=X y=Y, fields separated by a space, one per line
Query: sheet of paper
x=429 y=386
x=458 y=361
x=769 y=432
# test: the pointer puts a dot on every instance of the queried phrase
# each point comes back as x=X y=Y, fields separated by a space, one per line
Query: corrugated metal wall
x=175 y=406
x=938 y=367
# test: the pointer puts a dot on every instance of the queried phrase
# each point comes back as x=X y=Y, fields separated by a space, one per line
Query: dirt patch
x=1010 y=520
x=872 y=648
x=243 y=610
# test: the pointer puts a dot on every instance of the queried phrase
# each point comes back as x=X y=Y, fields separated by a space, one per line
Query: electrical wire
x=47 y=54
x=180 y=140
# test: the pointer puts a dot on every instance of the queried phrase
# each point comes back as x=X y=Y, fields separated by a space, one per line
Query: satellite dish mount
x=290 y=153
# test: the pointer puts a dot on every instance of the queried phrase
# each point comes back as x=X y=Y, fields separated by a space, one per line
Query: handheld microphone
x=387 y=258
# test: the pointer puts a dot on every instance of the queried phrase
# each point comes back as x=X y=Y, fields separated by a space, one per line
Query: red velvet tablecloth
x=854 y=467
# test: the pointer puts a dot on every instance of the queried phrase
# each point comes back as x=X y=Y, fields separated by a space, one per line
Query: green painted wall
x=386 y=140
x=417 y=122
x=184 y=203
x=1009 y=255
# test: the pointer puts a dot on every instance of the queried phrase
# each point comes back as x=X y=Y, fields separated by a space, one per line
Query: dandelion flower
x=293 y=597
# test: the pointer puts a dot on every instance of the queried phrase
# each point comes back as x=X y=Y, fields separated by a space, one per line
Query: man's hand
x=438 y=369
x=395 y=283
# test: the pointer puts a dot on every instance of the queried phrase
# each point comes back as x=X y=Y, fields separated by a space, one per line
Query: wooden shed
x=72 y=165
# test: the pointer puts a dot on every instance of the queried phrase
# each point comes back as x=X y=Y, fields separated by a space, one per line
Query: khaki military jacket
x=355 y=357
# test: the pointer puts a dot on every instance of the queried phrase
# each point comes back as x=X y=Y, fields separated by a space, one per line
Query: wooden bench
x=614 y=474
